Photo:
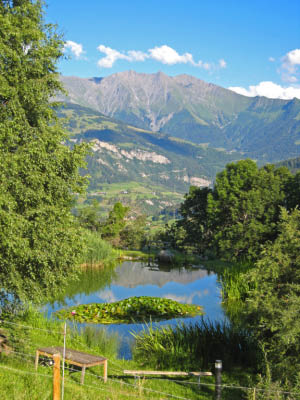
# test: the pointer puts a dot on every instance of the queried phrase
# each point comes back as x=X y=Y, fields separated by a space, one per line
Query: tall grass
x=48 y=332
x=235 y=287
x=97 y=250
x=195 y=347
x=107 y=343
x=234 y=284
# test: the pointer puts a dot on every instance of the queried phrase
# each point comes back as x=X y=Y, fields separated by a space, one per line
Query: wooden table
x=74 y=357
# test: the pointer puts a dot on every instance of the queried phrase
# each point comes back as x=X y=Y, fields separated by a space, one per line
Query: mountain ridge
x=131 y=90
x=189 y=108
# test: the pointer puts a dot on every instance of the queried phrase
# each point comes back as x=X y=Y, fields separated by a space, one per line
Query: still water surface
x=192 y=285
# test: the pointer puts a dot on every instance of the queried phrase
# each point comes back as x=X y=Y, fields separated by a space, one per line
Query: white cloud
x=272 y=59
x=269 y=89
x=167 y=55
x=222 y=63
x=290 y=66
x=75 y=48
x=289 y=78
x=207 y=66
x=111 y=56
x=164 y=54
x=291 y=61
x=136 y=55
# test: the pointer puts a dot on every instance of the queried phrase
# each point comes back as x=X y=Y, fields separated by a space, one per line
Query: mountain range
x=188 y=108
x=153 y=136
x=134 y=165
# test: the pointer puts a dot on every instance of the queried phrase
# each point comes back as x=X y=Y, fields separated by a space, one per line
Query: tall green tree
x=193 y=228
x=89 y=216
x=240 y=214
x=292 y=191
x=133 y=235
x=244 y=207
x=39 y=243
x=272 y=306
x=115 y=223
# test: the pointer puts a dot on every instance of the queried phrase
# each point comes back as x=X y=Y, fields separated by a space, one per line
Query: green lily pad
x=133 y=309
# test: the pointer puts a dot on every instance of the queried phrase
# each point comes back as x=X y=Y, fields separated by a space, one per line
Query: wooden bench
x=74 y=357
x=174 y=373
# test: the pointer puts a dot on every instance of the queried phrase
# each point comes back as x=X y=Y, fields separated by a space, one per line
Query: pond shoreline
x=181 y=283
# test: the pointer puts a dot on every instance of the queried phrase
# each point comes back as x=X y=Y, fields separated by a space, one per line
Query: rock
x=165 y=256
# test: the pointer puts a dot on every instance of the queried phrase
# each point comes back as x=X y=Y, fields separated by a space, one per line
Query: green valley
x=147 y=170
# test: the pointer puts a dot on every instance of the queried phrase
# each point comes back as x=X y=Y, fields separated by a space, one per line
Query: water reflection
x=192 y=285
x=89 y=281
x=135 y=274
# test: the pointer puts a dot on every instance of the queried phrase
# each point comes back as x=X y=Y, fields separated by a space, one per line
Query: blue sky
x=250 y=45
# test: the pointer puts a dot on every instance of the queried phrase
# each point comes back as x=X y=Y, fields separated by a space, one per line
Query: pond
x=191 y=285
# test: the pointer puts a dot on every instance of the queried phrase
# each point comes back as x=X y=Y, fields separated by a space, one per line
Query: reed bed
x=97 y=251
x=195 y=347
x=234 y=284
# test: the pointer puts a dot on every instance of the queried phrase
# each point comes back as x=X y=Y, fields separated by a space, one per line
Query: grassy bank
x=19 y=380
x=31 y=330
x=178 y=258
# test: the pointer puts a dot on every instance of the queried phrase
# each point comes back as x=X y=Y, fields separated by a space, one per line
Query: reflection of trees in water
x=90 y=280
x=129 y=274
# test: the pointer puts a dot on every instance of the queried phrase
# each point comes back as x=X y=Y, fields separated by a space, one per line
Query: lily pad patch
x=133 y=309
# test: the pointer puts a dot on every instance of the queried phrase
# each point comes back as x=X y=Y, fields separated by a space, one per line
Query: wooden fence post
x=218 y=372
x=56 y=377
x=105 y=371
x=63 y=367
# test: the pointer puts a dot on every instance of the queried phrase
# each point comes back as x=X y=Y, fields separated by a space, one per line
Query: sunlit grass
x=97 y=250
x=18 y=378
x=194 y=347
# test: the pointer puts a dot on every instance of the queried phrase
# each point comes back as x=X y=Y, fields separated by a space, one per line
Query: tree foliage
x=240 y=213
x=132 y=235
x=244 y=207
x=115 y=222
x=89 y=216
x=252 y=213
x=292 y=191
x=192 y=229
x=273 y=304
x=39 y=243
x=119 y=228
